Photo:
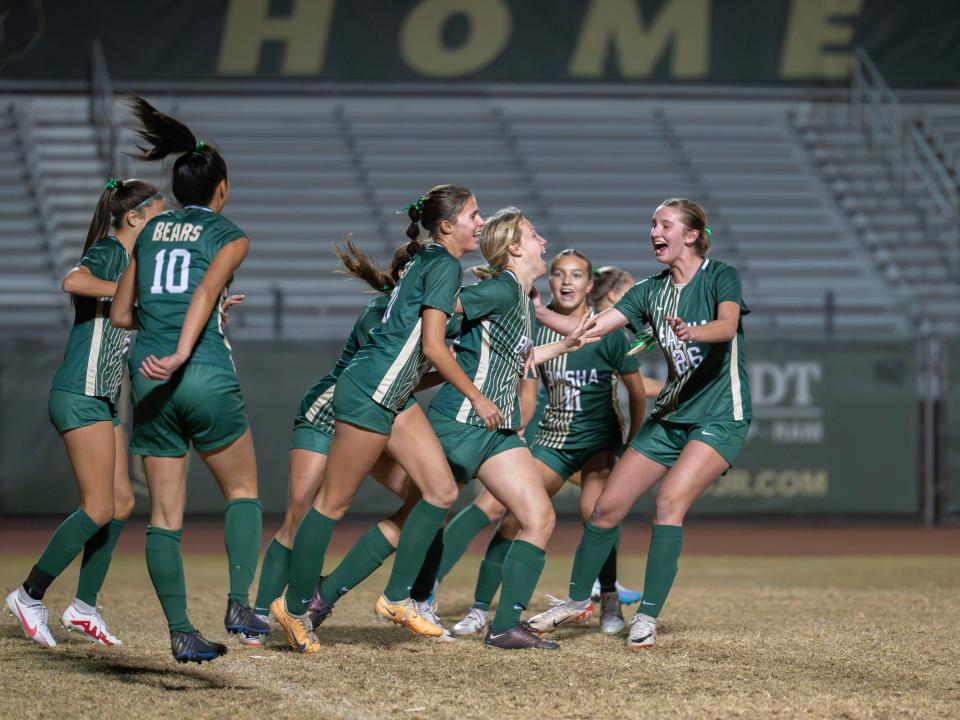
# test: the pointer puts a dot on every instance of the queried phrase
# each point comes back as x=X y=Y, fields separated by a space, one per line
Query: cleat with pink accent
x=32 y=616
x=80 y=617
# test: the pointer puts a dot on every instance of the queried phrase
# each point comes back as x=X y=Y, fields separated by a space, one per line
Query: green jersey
x=583 y=410
x=93 y=362
x=706 y=382
x=173 y=252
x=317 y=404
x=391 y=365
x=497 y=334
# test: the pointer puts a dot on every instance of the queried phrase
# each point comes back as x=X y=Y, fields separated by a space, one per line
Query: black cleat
x=519 y=637
x=194 y=647
x=318 y=609
x=241 y=619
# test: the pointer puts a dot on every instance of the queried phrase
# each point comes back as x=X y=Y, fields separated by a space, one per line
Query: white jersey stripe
x=409 y=347
x=321 y=400
x=737 y=396
x=483 y=367
x=90 y=384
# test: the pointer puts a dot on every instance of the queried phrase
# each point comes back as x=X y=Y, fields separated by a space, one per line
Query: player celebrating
x=83 y=409
x=580 y=432
x=369 y=395
x=186 y=388
x=700 y=419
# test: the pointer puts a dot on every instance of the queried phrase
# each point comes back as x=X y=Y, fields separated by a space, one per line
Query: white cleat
x=32 y=616
x=80 y=617
x=254 y=641
x=561 y=613
x=428 y=611
x=611 y=617
x=474 y=623
x=643 y=632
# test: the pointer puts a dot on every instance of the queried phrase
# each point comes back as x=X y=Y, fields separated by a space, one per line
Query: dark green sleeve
x=441 y=284
x=105 y=260
x=727 y=288
x=615 y=348
x=487 y=297
x=634 y=306
x=219 y=232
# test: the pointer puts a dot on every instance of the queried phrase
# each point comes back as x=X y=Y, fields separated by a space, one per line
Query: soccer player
x=312 y=435
x=184 y=385
x=367 y=402
x=83 y=408
x=699 y=422
x=580 y=433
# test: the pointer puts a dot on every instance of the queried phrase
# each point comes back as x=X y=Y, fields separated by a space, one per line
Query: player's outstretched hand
x=229 y=302
x=580 y=337
x=488 y=412
x=154 y=368
x=680 y=328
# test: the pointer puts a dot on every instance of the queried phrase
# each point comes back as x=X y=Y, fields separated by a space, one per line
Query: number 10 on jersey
x=176 y=278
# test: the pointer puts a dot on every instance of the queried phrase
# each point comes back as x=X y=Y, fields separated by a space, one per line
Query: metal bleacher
x=589 y=172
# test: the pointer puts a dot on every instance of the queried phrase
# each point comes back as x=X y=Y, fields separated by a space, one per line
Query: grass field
x=843 y=637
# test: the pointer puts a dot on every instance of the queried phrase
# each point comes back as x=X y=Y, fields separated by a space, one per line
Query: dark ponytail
x=199 y=168
x=443 y=202
x=361 y=266
x=118 y=198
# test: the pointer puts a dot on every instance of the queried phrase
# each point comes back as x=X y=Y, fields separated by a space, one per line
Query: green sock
x=242 y=533
x=593 y=550
x=423 y=586
x=165 y=565
x=521 y=571
x=306 y=560
x=418 y=532
x=457 y=536
x=67 y=542
x=608 y=573
x=97 y=554
x=367 y=554
x=273 y=576
x=665 y=545
x=491 y=570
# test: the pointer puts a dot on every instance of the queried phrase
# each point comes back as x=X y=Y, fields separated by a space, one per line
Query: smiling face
x=671 y=239
x=570 y=282
x=464 y=232
x=532 y=248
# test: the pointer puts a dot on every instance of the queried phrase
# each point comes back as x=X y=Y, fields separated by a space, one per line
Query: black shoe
x=194 y=647
x=318 y=609
x=518 y=637
x=241 y=619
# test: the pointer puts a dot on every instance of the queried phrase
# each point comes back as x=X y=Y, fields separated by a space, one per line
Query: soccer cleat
x=241 y=619
x=519 y=637
x=254 y=640
x=428 y=611
x=627 y=596
x=318 y=609
x=643 y=632
x=85 y=619
x=473 y=623
x=561 y=613
x=298 y=628
x=32 y=616
x=611 y=617
x=194 y=647
x=405 y=613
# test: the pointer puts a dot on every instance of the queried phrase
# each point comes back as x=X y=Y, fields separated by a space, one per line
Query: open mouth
x=567 y=294
x=659 y=245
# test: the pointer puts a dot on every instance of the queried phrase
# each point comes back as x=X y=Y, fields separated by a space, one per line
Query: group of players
x=166 y=274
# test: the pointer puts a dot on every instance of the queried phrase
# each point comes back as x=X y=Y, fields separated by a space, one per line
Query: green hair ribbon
x=199 y=146
x=709 y=232
x=414 y=205
x=112 y=184
x=644 y=342
x=386 y=288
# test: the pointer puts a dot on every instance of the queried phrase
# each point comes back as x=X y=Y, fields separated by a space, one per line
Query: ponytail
x=443 y=202
x=361 y=266
x=199 y=168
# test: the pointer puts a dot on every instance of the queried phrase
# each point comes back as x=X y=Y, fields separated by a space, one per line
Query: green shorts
x=467 y=447
x=70 y=410
x=200 y=404
x=663 y=441
x=566 y=462
x=353 y=405
x=307 y=436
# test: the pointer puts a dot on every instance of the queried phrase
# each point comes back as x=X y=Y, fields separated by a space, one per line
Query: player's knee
x=443 y=495
x=123 y=506
x=604 y=516
x=539 y=523
x=101 y=512
x=670 y=509
x=510 y=527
